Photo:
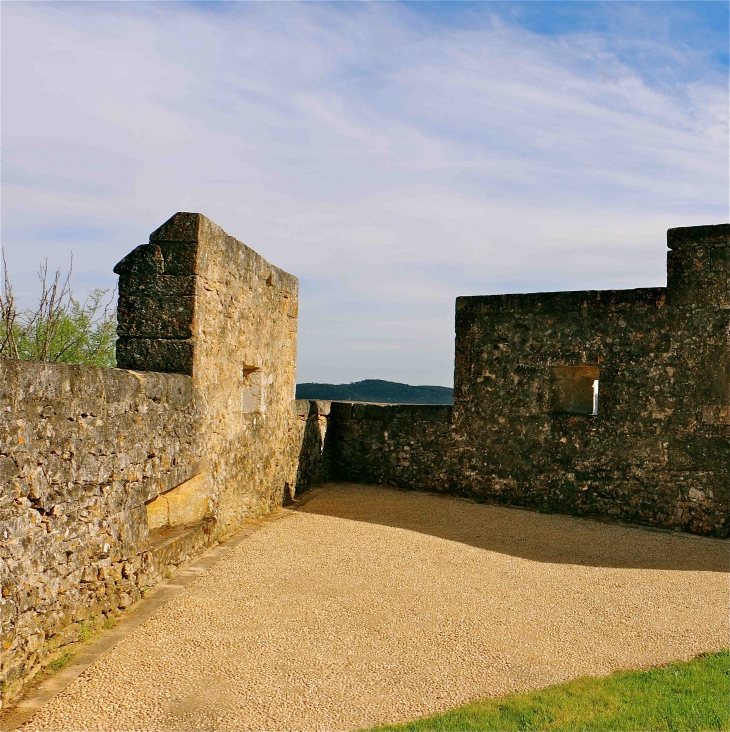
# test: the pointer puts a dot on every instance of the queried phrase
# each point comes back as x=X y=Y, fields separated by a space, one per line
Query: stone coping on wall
x=562 y=302
x=691 y=237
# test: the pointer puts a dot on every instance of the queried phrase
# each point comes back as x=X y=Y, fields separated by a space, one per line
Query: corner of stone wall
x=197 y=423
x=195 y=300
x=403 y=445
x=311 y=446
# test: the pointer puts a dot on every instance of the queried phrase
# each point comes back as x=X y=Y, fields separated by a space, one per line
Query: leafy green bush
x=60 y=327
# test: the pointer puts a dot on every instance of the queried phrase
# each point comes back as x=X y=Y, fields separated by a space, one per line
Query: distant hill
x=377 y=390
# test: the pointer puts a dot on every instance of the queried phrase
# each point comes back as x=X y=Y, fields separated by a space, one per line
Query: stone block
x=155 y=317
x=158 y=515
x=688 y=237
x=190 y=502
x=146 y=259
x=150 y=354
x=157 y=285
x=182 y=227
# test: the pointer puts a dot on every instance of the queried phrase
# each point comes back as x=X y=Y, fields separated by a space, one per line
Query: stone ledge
x=173 y=546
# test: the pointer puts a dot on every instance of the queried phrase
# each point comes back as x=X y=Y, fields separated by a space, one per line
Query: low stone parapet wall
x=102 y=491
x=82 y=450
x=404 y=445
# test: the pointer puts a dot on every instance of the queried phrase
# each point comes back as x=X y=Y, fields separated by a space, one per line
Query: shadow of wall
x=523 y=533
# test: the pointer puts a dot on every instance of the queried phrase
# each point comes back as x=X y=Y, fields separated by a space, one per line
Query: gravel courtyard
x=371 y=605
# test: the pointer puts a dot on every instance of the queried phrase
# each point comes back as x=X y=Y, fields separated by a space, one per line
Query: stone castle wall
x=82 y=450
x=403 y=445
x=522 y=432
x=111 y=476
x=84 y=453
x=197 y=301
x=657 y=452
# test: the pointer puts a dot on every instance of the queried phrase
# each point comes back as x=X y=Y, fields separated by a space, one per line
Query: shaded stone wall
x=658 y=450
x=310 y=445
x=522 y=430
x=392 y=444
x=81 y=451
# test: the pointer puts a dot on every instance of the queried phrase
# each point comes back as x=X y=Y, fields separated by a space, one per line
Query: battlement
x=614 y=404
x=715 y=236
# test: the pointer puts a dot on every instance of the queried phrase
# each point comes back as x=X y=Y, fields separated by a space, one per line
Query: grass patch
x=61 y=662
x=692 y=696
x=86 y=630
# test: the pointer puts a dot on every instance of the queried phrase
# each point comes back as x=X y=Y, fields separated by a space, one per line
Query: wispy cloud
x=398 y=155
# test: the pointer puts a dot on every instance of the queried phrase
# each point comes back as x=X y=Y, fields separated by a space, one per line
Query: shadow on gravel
x=539 y=537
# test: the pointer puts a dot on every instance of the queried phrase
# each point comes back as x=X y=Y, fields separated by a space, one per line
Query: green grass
x=59 y=663
x=86 y=630
x=685 y=697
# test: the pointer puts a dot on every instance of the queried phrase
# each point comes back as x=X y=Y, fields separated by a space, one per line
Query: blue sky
x=391 y=155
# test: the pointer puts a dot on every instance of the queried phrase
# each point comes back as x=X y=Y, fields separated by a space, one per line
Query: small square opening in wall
x=575 y=390
x=252 y=400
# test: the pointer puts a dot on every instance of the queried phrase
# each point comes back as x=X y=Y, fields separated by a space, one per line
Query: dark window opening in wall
x=575 y=390
x=252 y=401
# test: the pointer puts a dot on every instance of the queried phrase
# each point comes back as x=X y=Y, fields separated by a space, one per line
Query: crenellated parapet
x=613 y=404
x=656 y=448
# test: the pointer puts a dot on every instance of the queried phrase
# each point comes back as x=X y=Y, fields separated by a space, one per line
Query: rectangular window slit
x=575 y=389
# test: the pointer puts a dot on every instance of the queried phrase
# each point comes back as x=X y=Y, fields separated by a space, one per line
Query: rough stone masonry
x=612 y=404
x=523 y=429
x=110 y=477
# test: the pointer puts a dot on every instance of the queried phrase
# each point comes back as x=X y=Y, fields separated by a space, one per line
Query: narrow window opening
x=252 y=392
x=575 y=390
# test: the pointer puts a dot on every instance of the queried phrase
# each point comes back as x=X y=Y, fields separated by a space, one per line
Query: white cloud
x=400 y=161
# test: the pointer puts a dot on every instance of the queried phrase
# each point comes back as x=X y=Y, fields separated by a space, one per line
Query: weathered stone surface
x=391 y=444
x=82 y=450
x=158 y=514
x=661 y=432
x=75 y=443
x=240 y=348
x=204 y=431
x=156 y=317
x=658 y=450
x=310 y=445
x=188 y=503
x=169 y=356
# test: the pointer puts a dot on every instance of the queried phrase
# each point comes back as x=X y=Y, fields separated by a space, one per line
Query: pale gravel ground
x=371 y=606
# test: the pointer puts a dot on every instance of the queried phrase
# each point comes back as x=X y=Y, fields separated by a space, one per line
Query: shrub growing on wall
x=59 y=327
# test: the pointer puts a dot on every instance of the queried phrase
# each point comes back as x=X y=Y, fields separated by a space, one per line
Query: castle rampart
x=110 y=477
x=656 y=452
x=81 y=451
x=403 y=445
x=613 y=404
